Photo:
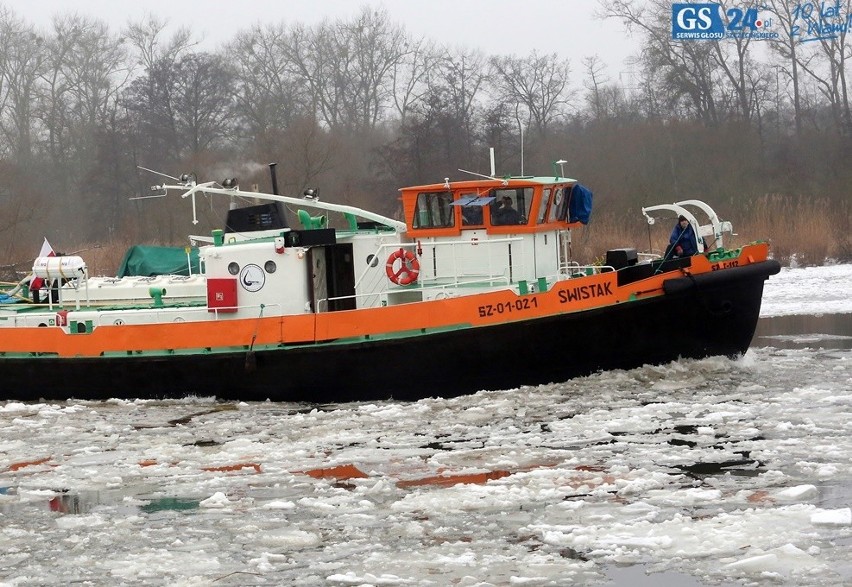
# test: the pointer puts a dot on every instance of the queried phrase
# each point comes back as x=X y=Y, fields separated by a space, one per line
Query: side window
x=542 y=206
x=471 y=212
x=433 y=210
x=559 y=193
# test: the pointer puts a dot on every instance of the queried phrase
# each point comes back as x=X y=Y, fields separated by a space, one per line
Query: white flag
x=46 y=251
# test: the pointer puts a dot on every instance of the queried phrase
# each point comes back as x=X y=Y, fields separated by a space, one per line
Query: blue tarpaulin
x=580 y=204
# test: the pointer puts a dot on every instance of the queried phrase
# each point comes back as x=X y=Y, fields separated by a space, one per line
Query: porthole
x=372 y=260
x=270 y=266
x=233 y=268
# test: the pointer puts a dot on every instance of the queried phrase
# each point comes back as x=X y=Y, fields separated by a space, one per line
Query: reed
x=590 y=243
x=803 y=231
x=103 y=259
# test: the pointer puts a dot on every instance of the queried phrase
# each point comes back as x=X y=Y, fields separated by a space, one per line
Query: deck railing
x=450 y=271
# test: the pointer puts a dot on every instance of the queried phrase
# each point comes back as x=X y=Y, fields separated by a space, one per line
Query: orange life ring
x=409 y=268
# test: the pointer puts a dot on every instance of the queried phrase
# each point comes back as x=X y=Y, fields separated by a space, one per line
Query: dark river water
x=824 y=331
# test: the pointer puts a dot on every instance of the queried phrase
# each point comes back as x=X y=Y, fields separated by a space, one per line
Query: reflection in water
x=170 y=504
x=829 y=331
x=68 y=504
x=84 y=501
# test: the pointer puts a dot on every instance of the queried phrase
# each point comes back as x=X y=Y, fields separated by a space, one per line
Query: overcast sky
x=566 y=27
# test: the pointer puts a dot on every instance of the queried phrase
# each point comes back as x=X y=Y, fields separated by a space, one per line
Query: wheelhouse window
x=559 y=195
x=471 y=208
x=511 y=206
x=542 y=206
x=434 y=210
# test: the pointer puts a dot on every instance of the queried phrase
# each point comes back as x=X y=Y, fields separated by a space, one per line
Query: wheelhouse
x=516 y=206
x=494 y=232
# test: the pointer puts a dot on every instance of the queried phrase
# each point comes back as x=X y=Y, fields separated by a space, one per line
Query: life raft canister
x=409 y=267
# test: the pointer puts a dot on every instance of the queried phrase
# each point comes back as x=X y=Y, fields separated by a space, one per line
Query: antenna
x=520 y=126
x=493 y=170
x=158 y=173
x=505 y=181
x=148 y=197
x=561 y=163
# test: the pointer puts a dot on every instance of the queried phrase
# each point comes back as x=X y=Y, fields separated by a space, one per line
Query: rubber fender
x=758 y=270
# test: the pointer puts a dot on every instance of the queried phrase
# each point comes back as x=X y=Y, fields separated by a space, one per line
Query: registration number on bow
x=724 y=265
x=518 y=305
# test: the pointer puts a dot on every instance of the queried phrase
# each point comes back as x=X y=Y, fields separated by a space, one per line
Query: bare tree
x=348 y=66
x=150 y=104
x=410 y=75
x=605 y=99
x=595 y=80
x=271 y=95
x=538 y=83
x=18 y=207
x=737 y=68
x=22 y=58
x=150 y=98
x=823 y=59
x=833 y=85
x=685 y=68
x=203 y=102
x=787 y=46
x=379 y=46
x=459 y=80
x=308 y=152
x=85 y=69
x=153 y=47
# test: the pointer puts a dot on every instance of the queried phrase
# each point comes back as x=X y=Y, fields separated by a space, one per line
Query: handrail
x=490 y=281
x=375 y=288
x=161 y=313
x=490 y=277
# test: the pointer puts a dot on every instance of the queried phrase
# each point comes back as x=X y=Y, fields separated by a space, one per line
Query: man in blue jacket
x=682 y=240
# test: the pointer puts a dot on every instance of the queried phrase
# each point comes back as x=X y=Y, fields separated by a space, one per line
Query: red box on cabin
x=222 y=294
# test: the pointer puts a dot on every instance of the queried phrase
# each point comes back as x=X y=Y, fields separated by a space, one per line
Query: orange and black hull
x=605 y=322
